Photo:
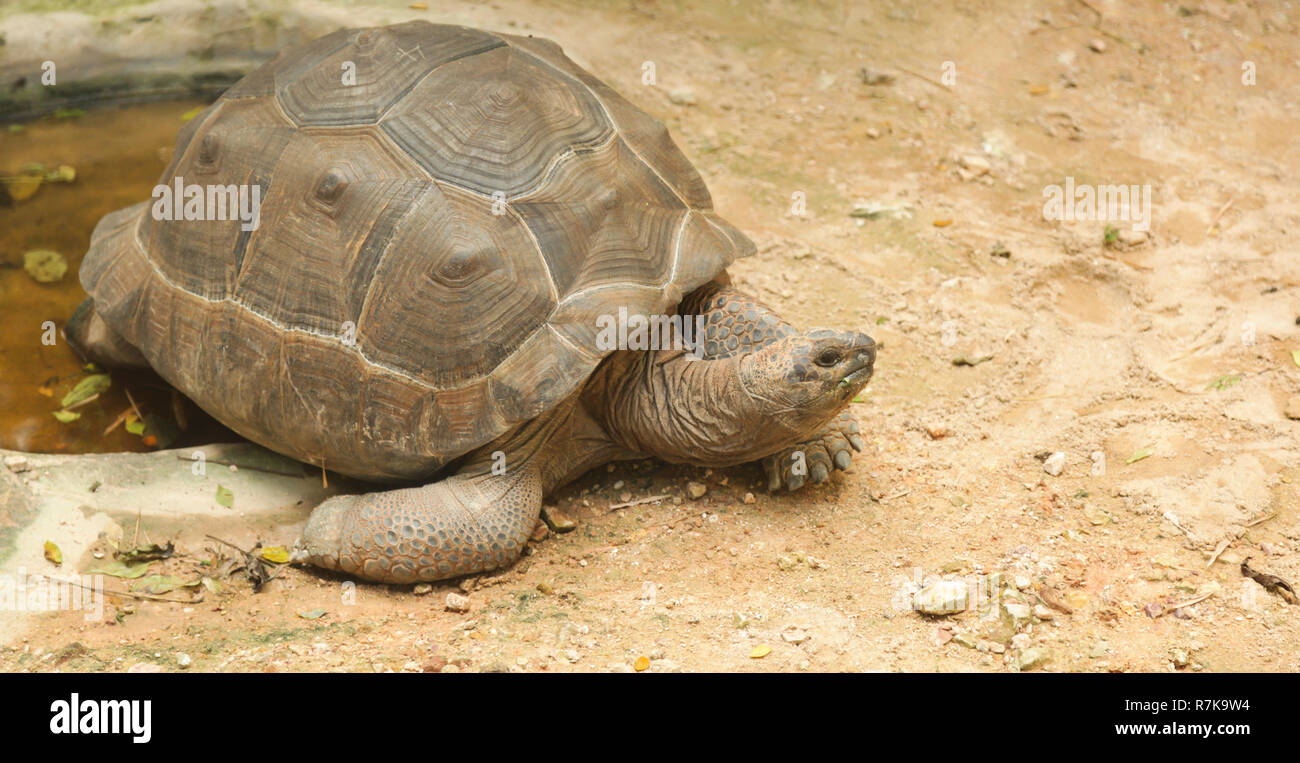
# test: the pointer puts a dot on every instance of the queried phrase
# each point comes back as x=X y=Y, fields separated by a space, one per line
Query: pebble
x=1292 y=408
x=17 y=463
x=1099 y=650
x=749 y=498
x=1032 y=658
x=794 y=635
x=183 y=660
x=682 y=96
x=451 y=667
x=937 y=431
x=943 y=597
x=976 y=164
x=696 y=489
x=1017 y=610
x=1020 y=641
x=1054 y=464
x=873 y=133
x=457 y=603
x=421 y=589
x=1097 y=45
x=1180 y=658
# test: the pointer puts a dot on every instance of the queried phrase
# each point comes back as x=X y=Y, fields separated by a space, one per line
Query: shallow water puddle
x=118 y=155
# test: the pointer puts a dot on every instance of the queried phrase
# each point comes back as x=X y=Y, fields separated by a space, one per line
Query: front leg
x=460 y=525
x=831 y=449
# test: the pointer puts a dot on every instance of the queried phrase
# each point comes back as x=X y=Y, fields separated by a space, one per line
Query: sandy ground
x=1160 y=364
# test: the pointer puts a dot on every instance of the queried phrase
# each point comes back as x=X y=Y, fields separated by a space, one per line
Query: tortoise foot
x=816 y=458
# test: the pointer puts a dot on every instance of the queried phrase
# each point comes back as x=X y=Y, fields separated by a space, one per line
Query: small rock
x=1021 y=582
x=183 y=660
x=785 y=562
x=1099 y=650
x=1054 y=464
x=964 y=640
x=1128 y=237
x=794 y=635
x=874 y=77
x=557 y=520
x=1020 y=641
x=976 y=164
x=749 y=498
x=1018 y=610
x=943 y=597
x=937 y=431
x=682 y=96
x=421 y=589
x=696 y=489
x=1097 y=45
x=873 y=133
x=1180 y=658
x=999 y=249
x=1292 y=411
x=435 y=664
x=620 y=667
x=450 y=667
x=21 y=464
x=1032 y=658
x=457 y=603
x=1043 y=613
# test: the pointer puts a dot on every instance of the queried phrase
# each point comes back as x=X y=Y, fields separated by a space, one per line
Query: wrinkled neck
x=684 y=411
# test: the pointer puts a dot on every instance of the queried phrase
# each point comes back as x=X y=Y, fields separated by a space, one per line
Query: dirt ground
x=1161 y=365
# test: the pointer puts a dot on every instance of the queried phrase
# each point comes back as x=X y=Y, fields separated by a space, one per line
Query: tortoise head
x=802 y=380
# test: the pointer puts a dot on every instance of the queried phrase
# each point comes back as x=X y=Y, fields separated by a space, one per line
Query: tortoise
x=443 y=244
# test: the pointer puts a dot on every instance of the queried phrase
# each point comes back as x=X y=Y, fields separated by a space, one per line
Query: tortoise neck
x=681 y=410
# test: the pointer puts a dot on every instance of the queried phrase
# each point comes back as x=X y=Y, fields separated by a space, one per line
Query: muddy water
x=118 y=155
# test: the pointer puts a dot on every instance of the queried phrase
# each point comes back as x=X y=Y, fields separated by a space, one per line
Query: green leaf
x=1138 y=456
x=225 y=497
x=120 y=570
x=276 y=554
x=53 y=553
x=1295 y=357
x=67 y=417
x=45 y=265
x=194 y=112
x=135 y=427
x=1223 y=382
x=88 y=387
x=158 y=584
x=312 y=614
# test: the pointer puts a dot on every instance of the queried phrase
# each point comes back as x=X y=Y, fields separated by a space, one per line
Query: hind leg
x=95 y=341
x=460 y=525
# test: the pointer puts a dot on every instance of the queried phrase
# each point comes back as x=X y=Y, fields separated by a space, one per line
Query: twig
x=639 y=501
x=80 y=403
x=1215 y=221
x=889 y=498
x=1188 y=603
x=134 y=407
x=936 y=83
x=132 y=594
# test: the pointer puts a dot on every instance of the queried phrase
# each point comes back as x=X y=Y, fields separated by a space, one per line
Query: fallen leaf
x=67 y=417
x=312 y=614
x=1139 y=455
x=1295 y=357
x=760 y=652
x=23 y=187
x=53 y=553
x=943 y=223
x=277 y=554
x=134 y=426
x=641 y=663
x=45 y=265
x=1271 y=583
x=151 y=553
x=88 y=387
x=225 y=497
x=194 y=112
x=1039 y=90
x=121 y=570
x=64 y=173
x=159 y=584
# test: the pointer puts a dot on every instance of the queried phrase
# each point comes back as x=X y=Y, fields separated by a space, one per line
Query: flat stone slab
x=171 y=494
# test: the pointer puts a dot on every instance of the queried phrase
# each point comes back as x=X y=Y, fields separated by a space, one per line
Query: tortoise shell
x=436 y=242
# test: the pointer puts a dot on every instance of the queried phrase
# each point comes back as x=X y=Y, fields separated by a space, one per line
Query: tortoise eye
x=828 y=358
